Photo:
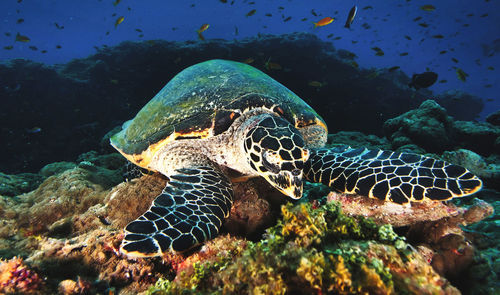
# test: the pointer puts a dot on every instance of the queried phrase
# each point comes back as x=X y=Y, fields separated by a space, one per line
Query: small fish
x=268 y=15
x=470 y=14
x=223 y=1
x=423 y=25
x=489 y=99
x=376 y=48
x=403 y=54
x=428 y=7
x=21 y=38
x=490 y=68
x=20 y=21
x=337 y=38
x=367 y=7
x=462 y=76
x=138 y=30
x=251 y=3
x=443 y=81
x=107 y=33
x=59 y=26
x=140 y=35
x=287 y=19
x=116 y=2
x=8 y=47
x=43 y=51
x=248 y=60
x=203 y=28
x=354 y=41
x=200 y=36
x=128 y=8
x=424 y=80
x=488 y=85
x=114 y=14
x=119 y=21
x=34 y=130
x=392 y=69
x=442 y=52
x=281 y=7
x=454 y=60
x=366 y=26
x=483 y=15
x=417 y=18
x=251 y=12
x=7 y=34
x=316 y=84
x=58 y=46
x=313 y=12
x=34 y=48
x=438 y=36
x=323 y=22
x=379 y=53
x=304 y=19
x=350 y=17
x=408 y=37
x=329 y=35
x=272 y=65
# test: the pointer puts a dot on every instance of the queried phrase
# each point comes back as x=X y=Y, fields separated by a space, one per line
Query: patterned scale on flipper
x=387 y=175
x=189 y=211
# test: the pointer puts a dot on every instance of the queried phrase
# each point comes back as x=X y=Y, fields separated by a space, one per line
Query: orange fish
x=203 y=28
x=323 y=22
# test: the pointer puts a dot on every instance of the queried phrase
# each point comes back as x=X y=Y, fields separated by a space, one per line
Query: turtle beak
x=289 y=183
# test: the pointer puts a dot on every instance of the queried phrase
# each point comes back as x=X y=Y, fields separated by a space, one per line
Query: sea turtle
x=220 y=118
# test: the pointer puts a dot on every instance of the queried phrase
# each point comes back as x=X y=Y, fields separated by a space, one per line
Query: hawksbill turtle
x=220 y=118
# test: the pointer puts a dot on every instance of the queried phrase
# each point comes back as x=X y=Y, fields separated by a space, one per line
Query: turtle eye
x=271 y=161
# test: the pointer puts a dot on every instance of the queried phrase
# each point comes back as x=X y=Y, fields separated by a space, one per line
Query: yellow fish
x=462 y=76
x=22 y=38
x=272 y=65
x=203 y=28
x=324 y=21
x=428 y=7
x=248 y=60
x=116 y=2
x=316 y=84
x=119 y=21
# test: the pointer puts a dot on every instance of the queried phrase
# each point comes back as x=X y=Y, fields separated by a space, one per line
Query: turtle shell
x=202 y=101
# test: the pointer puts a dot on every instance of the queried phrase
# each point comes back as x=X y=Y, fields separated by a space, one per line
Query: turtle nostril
x=295 y=172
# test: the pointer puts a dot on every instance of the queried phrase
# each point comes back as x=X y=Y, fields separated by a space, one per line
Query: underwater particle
x=235 y=30
x=408 y=37
x=367 y=7
x=423 y=25
x=22 y=38
x=417 y=18
x=20 y=21
x=116 y=2
x=428 y=7
x=462 y=76
x=287 y=19
x=119 y=21
x=324 y=21
x=423 y=80
x=203 y=28
x=392 y=69
x=251 y=12
x=403 y=54
x=114 y=14
x=454 y=60
x=438 y=36
x=8 y=47
x=350 y=17
x=107 y=33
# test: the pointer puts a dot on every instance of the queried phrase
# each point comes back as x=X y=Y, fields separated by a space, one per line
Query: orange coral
x=15 y=277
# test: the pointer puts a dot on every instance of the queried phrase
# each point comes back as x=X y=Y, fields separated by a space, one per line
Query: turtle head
x=276 y=151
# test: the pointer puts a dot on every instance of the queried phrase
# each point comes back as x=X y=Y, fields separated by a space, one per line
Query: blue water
x=463 y=24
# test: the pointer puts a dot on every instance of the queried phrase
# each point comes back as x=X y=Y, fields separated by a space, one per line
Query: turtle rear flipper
x=391 y=176
x=189 y=211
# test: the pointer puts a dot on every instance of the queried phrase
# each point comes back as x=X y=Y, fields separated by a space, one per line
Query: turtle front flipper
x=189 y=211
x=391 y=176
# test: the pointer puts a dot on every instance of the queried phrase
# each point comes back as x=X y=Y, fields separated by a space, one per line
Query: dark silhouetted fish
x=350 y=17
x=424 y=80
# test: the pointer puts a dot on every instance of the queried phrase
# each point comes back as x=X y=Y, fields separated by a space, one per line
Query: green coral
x=313 y=250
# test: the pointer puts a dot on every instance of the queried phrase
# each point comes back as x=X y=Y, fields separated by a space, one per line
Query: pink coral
x=15 y=277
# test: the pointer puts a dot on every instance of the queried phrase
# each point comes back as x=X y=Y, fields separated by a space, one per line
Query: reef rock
x=16 y=184
x=494 y=118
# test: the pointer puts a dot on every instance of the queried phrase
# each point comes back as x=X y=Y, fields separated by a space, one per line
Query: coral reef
x=429 y=127
x=16 y=184
x=494 y=118
x=315 y=249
